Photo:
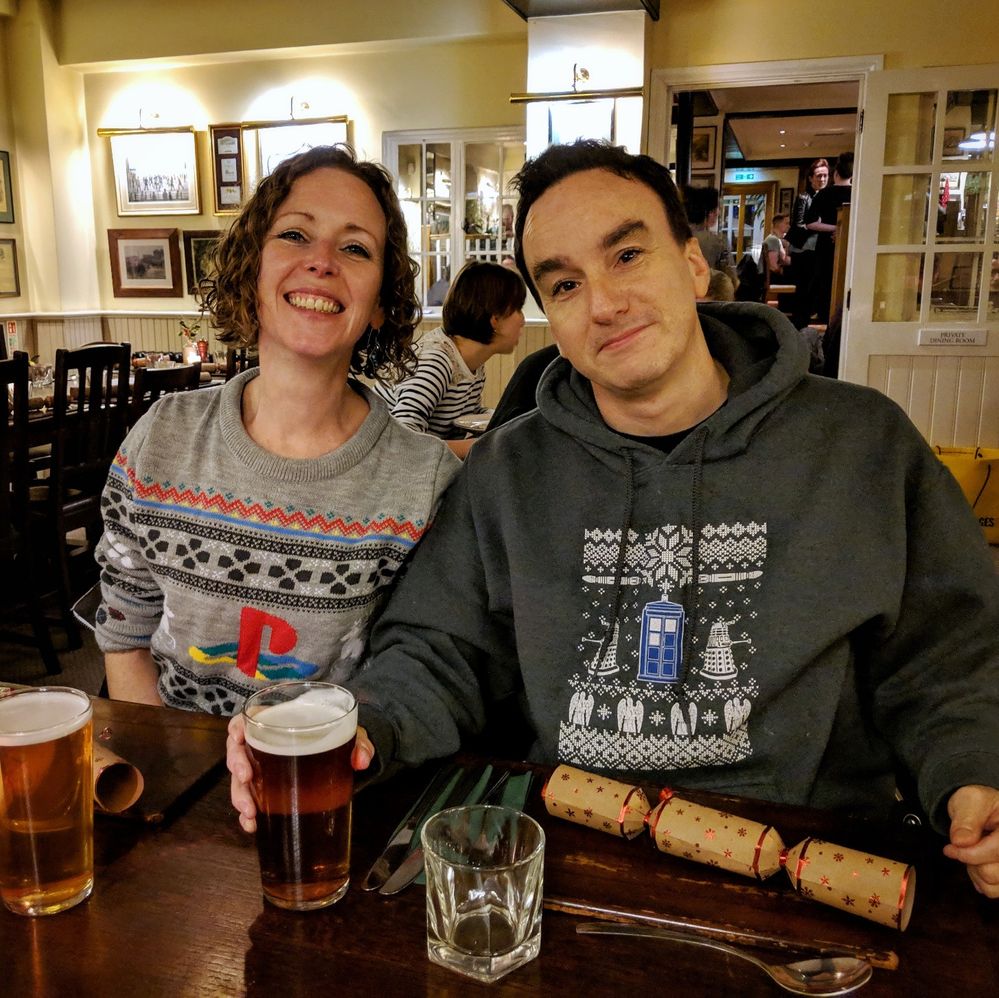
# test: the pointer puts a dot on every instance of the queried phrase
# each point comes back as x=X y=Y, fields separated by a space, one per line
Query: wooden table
x=177 y=910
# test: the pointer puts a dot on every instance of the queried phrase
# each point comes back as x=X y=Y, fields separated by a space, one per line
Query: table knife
x=399 y=845
x=412 y=865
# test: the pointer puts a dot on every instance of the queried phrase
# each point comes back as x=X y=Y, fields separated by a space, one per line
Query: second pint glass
x=300 y=737
x=46 y=800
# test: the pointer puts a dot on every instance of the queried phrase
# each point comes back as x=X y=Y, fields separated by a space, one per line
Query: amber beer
x=46 y=800
x=300 y=737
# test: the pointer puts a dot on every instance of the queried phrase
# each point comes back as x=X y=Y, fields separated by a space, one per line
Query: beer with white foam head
x=300 y=737
x=46 y=800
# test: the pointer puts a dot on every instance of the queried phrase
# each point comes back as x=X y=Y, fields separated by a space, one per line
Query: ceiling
x=817 y=119
x=552 y=8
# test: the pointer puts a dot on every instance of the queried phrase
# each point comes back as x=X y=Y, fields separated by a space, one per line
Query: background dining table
x=177 y=908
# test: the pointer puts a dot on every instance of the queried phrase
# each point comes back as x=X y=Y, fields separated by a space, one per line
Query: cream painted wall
x=425 y=87
x=910 y=33
x=108 y=30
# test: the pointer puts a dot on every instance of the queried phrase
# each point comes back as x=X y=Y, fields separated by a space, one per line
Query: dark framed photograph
x=198 y=244
x=6 y=191
x=145 y=263
x=702 y=180
x=227 y=167
x=785 y=200
x=702 y=147
x=10 y=286
x=155 y=173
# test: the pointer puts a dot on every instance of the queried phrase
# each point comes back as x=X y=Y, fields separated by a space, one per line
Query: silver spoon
x=824 y=975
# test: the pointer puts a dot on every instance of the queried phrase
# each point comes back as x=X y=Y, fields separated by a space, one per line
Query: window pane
x=898 y=280
x=513 y=159
x=956 y=284
x=970 y=125
x=909 y=128
x=438 y=170
x=994 y=288
x=904 y=198
x=410 y=176
x=964 y=199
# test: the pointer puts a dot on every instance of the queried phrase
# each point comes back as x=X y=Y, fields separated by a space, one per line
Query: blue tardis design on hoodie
x=635 y=703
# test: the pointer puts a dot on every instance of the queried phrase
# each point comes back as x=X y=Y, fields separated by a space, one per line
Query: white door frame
x=665 y=82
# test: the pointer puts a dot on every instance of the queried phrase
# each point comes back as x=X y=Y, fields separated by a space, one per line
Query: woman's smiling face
x=321 y=267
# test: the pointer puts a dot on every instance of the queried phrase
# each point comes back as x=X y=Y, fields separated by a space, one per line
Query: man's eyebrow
x=623 y=231
x=615 y=236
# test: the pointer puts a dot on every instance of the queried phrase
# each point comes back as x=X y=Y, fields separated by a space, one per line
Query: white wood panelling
x=953 y=400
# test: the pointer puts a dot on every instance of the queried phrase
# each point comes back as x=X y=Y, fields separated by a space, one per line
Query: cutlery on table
x=822 y=975
x=399 y=845
x=412 y=866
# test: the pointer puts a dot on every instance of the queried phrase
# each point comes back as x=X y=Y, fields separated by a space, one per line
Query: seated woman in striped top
x=482 y=315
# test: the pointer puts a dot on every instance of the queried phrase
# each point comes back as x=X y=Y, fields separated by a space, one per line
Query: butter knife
x=412 y=865
x=398 y=846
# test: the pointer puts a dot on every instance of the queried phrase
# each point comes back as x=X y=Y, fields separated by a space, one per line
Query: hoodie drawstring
x=691 y=599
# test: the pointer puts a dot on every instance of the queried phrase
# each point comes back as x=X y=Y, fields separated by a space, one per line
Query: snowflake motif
x=588 y=812
x=709 y=833
x=667 y=845
x=679 y=810
x=807 y=892
x=688 y=855
x=874 y=901
x=657 y=718
x=590 y=779
x=698 y=819
x=600 y=789
x=603 y=712
x=709 y=717
x=885 y=871
x=607 y=825
x=742 y=833
x=728 y=853
x=824 y=881
x=565 y=777
x=838 y=857
x=569 y=813
x=848 y=901
x=712 y=862
x=869 y=861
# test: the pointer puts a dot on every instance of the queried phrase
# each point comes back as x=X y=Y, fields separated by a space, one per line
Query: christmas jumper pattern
x=628 y=708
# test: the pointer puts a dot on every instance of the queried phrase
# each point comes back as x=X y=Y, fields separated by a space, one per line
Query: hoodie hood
x=765 y=360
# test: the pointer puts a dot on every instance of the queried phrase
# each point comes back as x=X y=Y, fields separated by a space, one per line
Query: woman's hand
x=238 y=763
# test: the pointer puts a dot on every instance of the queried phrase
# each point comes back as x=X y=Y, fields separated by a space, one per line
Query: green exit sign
x=743 y=176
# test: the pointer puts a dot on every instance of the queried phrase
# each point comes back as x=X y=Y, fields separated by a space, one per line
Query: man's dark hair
x=699 y=202
x=480 y=292
x=844 y=165
x=558 y=162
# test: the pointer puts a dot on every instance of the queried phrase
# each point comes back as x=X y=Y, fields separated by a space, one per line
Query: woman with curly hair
x=252 y=530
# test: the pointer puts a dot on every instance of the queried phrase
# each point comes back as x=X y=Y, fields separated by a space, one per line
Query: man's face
x=781 y=227
x=617 y=289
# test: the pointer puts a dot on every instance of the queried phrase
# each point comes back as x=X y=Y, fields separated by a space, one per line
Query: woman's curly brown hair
x=230 y=294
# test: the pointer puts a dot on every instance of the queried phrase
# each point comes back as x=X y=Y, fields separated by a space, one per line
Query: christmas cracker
x=879 y=889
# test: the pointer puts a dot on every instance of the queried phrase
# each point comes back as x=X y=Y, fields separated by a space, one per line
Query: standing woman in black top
x=803 y=242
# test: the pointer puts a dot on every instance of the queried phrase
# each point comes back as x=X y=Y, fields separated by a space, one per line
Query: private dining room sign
x=953 y=337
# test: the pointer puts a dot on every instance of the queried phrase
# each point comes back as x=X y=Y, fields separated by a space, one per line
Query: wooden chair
x=88 y=424
x=237 y=361
x=23 y=566
x=152 y=382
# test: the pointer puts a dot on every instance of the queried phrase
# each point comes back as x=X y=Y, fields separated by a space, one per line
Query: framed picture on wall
x=227 y=167
x=145 y=263
x=702 y=180
x=155 y=172
x=197 y=255
x=10 y=286
x=6 y=193
x=785 y=200
x=702 y=147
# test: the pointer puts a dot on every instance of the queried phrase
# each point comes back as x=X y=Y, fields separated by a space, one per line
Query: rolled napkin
x=681 y=828
x=873 y=887
x=117 y=783
x=595 y=801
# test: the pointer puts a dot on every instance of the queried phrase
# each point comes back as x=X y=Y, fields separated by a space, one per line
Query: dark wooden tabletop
x=177 y=910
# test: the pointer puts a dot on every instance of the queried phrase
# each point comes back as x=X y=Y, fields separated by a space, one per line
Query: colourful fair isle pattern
x=627 y=709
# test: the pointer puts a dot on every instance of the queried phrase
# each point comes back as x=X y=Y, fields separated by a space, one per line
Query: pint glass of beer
x=46 y=800
x=299 y=737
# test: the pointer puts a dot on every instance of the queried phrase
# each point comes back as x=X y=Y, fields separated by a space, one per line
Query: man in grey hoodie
x=694 y=563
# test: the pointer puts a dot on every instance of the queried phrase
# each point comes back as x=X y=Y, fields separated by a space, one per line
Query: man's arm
x=133 y=675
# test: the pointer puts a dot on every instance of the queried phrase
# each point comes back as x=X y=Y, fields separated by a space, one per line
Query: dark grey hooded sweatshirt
x=794 y=604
